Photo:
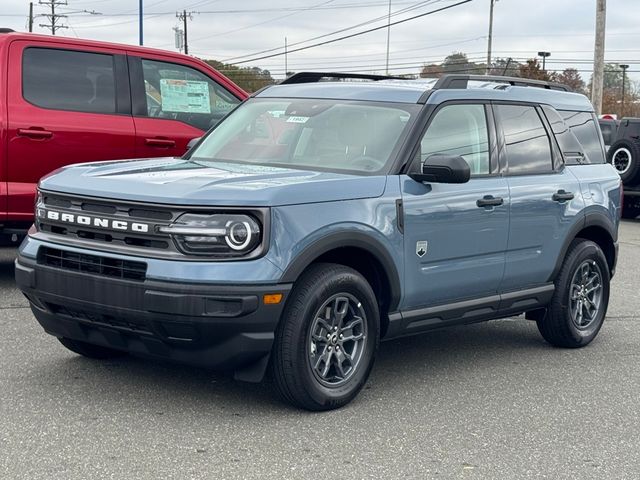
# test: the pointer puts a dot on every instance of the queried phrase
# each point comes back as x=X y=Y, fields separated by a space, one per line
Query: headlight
x=218 y=235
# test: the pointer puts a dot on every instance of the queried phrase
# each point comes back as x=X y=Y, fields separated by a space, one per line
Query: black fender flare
x=347 y=239
x=591 y=219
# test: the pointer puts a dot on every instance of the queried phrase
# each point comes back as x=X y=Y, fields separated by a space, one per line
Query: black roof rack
x=6 y=30
x=312 y=77
x=462 y=81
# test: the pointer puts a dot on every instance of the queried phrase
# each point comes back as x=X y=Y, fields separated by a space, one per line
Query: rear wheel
x=624 y=155
x=89 y=350
x=579 y=304
x=327 y=338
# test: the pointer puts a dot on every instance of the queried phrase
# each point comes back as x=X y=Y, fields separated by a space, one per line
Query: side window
x=459 y=130
x=526 y=141
x=69 y=80
x=583 y=125
x=183 y=93
x=572 y=151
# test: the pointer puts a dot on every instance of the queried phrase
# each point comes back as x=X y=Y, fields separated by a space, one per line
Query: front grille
x=92 y=264
x=143 y=243
x=131 y=325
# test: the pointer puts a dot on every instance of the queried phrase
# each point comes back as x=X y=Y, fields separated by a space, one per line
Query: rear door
x=546 y=198
x=66 y=104
x=172 y=104
x=456 y=234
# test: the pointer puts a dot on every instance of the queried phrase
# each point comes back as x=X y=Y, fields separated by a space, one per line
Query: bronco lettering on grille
x=95 y=221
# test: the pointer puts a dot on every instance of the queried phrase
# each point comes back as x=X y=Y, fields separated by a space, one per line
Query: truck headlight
x=218 y=235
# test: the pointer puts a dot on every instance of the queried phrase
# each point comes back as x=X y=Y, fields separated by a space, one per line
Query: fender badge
x=421 y=248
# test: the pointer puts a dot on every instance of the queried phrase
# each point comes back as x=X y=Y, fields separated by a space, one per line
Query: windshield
x=309 y=134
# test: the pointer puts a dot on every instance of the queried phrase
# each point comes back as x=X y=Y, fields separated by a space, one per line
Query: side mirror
x=441 y=168
x=192 y=142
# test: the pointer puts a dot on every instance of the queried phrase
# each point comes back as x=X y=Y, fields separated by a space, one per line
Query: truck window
x=526 y=141
x=69 y=80
x=182 y=93
x=572 y=150
x=583 y=126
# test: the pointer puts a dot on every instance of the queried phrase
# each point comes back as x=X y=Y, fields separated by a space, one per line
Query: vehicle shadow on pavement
x=402 y=365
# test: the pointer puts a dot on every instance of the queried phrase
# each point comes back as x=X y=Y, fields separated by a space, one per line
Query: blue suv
x=321 y=217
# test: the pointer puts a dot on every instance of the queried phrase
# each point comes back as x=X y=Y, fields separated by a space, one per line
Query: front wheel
x=327 y=338
x=580 y=301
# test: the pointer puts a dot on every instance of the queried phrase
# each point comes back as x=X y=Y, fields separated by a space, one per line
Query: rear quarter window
x=583 y=126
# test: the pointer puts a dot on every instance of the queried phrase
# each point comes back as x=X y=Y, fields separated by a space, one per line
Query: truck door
x=66 y=104
x=172 y=104
x=456 y=234
x=546 y=198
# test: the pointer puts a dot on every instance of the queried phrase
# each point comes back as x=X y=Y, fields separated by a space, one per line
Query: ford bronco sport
x=320 y=217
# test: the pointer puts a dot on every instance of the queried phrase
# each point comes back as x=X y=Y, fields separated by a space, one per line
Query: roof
x=423 y=91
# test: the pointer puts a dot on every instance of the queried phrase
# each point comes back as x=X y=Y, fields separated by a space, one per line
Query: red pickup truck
x=67 y=100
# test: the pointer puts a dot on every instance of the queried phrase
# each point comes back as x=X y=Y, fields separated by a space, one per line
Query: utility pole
x=30 y=16
x=184 y=16
x=140 y=23
x=597 y=82
x=490 y=37
x=286 y=62
x=624 y=75
x=53 y=16
x=388 y=35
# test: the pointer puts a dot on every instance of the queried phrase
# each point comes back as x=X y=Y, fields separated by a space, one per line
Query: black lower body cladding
x=212 y=326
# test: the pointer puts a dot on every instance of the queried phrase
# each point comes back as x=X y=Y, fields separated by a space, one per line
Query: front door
x=173 y=104
x=456 y=234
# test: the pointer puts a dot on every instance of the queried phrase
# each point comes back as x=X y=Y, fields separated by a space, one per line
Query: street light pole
x=544 y=56
x=388 y=35
x=624 y=75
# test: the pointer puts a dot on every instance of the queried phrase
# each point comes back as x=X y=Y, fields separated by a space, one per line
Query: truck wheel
x=89 y=350
x=327 y=338
x=579 y=304
x=624 y=155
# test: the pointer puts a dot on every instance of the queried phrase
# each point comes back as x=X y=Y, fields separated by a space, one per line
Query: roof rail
x=6 y=30
x=462 y=81
x=312 y=77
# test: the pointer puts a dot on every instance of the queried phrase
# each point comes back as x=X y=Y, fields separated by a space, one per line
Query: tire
x=561 y=326
x=89 y=350
x=338 y=291
x=624 y=155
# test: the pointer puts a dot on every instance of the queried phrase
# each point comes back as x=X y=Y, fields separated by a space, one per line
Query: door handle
x=35 y=132
x=562 y=196
x=160 y=142
x=489 y=201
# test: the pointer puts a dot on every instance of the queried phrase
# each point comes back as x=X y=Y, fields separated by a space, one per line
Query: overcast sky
x=227 y=29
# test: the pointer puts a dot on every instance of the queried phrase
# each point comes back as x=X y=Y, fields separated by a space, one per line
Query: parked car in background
x=608 y=127
x=624 y=155
x=68 y=100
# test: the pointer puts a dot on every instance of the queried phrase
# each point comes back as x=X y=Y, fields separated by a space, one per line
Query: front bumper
x=223 y=327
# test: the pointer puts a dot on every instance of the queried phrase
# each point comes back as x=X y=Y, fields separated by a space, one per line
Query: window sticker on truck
x=184 y=96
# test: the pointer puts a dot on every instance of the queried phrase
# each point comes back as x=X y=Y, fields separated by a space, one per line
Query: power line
x=366 y=22
x=462 y=2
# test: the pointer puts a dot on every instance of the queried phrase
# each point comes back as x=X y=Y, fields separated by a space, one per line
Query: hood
x=185 y=182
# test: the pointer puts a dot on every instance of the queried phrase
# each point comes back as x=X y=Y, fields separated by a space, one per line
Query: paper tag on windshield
x=297 y=119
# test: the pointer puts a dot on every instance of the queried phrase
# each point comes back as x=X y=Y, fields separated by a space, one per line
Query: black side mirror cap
x=440 y=168
x=192 y=143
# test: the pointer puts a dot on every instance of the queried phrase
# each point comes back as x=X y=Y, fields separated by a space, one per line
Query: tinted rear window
x=526 y=141
x=583 y=126
x=69 y=80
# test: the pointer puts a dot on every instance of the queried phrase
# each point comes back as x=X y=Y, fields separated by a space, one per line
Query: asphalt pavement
x=490 y=400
